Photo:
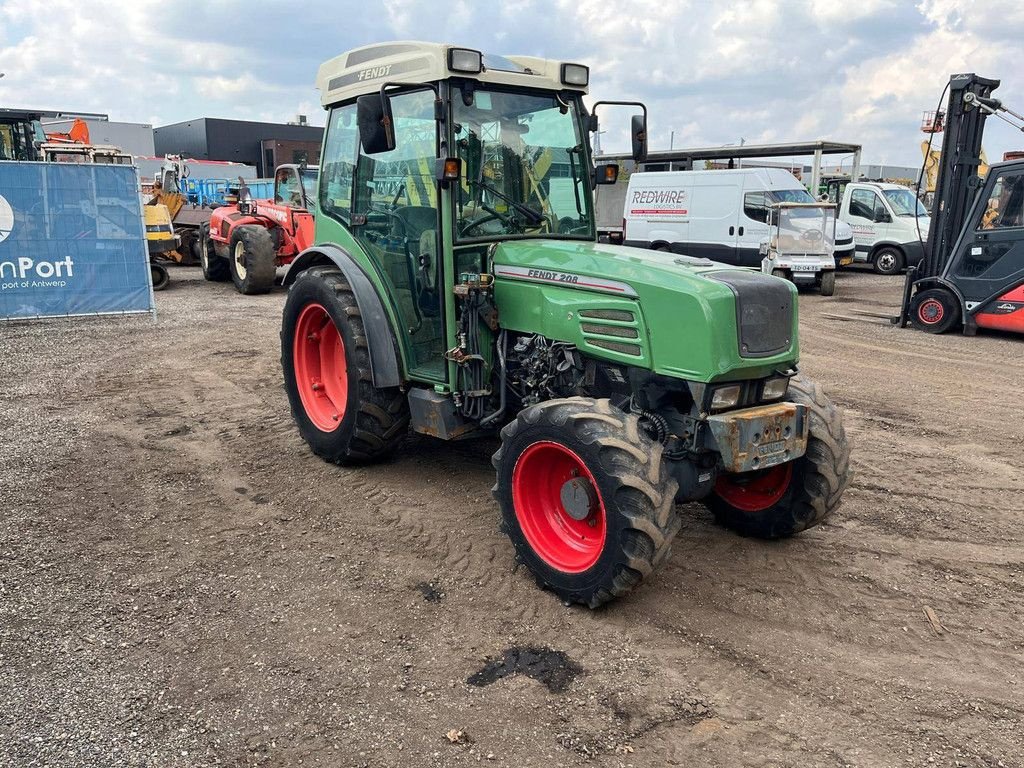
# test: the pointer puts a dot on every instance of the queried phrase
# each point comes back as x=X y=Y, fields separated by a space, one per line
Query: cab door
x=989 y=262
x=868 y=218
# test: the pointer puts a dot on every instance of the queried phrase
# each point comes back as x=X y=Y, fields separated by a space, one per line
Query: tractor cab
x=21 y=134
x=295 y=186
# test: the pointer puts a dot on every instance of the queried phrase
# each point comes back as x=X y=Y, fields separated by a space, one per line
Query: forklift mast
x=957 y=182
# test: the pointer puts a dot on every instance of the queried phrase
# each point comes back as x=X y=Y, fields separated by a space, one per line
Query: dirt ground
x=182 y=583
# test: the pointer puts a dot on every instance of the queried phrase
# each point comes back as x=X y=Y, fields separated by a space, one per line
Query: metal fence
x=72 y=241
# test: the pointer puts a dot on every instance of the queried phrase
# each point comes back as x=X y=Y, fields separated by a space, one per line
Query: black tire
x=828 y=283
x=636 y=490
x=662 y=247
x=189 y=248
x=816 y=481
x=215 y=269
x=780 y=273
x=889 y=260
x=375 y=420
x=161 y=278
x=253 y=259
x=935 y=310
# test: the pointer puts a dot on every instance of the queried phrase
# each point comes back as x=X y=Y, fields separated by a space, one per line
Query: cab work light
x=465 y=60
x=575 y=74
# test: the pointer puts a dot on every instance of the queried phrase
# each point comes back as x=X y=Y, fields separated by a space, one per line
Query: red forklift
x=972 y=274
x=248 y=241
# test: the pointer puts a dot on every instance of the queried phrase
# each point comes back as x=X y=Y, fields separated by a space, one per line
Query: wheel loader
x=457 y=288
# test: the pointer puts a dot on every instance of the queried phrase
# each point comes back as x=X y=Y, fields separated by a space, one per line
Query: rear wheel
x=935 y=310
x=159 y=275
x=791 y=497
x=326 y=364
x=828 y=283
x=888 y=261
x=780 y=273
x=585 y=498
x=253 y=259
x=215 y=269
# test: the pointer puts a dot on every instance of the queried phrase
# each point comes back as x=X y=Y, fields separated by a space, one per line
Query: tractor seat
x=413 y=220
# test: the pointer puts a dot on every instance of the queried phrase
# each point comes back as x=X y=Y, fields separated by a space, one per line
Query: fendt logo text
x=6 y=219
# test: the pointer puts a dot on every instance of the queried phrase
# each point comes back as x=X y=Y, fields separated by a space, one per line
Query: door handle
x=741 y=231
x=732 y=230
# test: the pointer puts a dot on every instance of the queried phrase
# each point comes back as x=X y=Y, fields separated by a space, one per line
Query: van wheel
x=888 y=261
x=780 y=273
x=660 y=247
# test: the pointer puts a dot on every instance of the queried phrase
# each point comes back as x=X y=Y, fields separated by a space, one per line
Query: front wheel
x=888 y=261
x=935 y=310
x=789 y=498
x=253 y=259
x=585 y=498
x=326 y=365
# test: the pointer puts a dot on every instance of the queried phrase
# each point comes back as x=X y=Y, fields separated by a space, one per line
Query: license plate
x=846 y=262
x=804 y=268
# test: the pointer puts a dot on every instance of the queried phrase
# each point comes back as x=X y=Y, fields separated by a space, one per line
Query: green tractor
x=457 y=286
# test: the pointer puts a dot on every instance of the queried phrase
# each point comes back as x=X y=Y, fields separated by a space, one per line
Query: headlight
x=773 y=389
x=725 y=397
x=465 y=60
x=575 y=74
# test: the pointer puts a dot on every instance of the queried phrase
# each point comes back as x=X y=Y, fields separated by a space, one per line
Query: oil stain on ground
x=552 y=668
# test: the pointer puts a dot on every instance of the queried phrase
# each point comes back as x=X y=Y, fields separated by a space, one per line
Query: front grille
x=616 y=346
x=622 y=332
x=844 y=240
x=764 y=312
x=619 y=315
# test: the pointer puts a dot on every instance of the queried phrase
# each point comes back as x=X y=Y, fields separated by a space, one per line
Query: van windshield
x=904 y=203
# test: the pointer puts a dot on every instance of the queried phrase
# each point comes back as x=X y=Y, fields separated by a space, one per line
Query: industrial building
x=134 y=138
x=263 y=145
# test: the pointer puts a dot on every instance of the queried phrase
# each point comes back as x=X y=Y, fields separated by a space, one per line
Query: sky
x=711 y=73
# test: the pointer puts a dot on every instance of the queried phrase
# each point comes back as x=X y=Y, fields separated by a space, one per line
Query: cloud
x=711 y=73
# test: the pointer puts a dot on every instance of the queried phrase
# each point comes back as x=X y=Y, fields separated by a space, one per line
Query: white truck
x=721 y=215
x=889 y=223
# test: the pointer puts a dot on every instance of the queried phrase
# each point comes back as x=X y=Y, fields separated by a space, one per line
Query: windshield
x=523 y=166
x=309 y=182
x=795 y=196
x=904 y=202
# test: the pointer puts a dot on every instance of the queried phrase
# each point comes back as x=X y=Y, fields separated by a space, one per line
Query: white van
x=719 y=215
x=885 y=219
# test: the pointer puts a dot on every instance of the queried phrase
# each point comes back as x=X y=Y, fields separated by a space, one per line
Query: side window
x=1005 y=205
x=863 y=202
x=286 y=188
x=337 y=168
x=755 y=206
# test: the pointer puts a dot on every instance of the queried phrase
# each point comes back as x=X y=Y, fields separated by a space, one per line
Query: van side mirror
x=638 y=133
x=882 y=217
x=376 y=126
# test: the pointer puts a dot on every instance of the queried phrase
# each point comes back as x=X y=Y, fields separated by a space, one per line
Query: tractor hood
x=678 y=316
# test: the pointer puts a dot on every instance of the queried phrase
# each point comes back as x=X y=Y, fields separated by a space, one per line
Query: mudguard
x=379 y=334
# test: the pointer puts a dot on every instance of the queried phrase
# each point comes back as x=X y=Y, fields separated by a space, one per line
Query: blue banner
x=72 y=241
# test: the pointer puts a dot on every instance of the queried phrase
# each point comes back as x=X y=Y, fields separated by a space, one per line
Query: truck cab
x=21 y=133
x=889 y=223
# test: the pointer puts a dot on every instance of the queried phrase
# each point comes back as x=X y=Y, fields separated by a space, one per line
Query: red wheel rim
x=931 y=311
x=321 y=373
x=561 y=541
x=754 y=492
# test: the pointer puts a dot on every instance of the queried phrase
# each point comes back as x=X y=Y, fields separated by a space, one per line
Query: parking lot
x=184 y=584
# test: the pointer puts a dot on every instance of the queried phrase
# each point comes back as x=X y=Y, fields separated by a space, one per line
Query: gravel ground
x=182 y=583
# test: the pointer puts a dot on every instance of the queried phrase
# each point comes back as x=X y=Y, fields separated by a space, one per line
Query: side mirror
x=882 y=217
x=607 y=173
x=638 y=133
x=376 y=126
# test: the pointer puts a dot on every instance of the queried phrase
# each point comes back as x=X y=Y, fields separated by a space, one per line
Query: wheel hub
x=578 y=498
x=240 y=260
x=931 y=311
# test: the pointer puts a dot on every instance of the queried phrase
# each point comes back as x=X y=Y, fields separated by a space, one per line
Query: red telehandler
x=248 y=241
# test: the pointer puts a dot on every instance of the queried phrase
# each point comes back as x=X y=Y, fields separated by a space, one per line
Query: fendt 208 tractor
x=457 y=284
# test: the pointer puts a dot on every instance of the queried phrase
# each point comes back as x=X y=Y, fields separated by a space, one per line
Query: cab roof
x=364 y=70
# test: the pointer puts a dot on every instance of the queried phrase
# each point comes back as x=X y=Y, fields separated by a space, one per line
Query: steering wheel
x=491 y=216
